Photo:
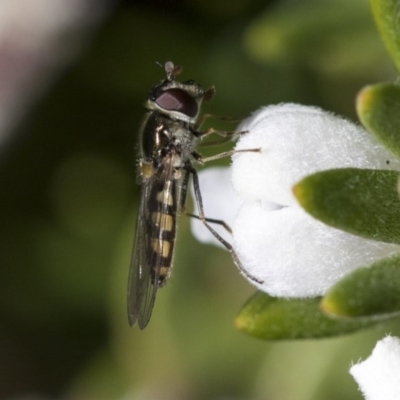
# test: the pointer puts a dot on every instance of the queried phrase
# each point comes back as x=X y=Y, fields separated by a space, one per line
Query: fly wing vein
x=146 y=263
x=141 y=290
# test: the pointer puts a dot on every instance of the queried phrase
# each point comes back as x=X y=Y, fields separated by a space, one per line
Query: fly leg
x=205 y=221
x=182 y=207
x=226 y=135
x=204 y=117
x=199 y=158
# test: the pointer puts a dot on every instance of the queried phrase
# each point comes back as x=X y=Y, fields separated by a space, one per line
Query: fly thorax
x=185 y=141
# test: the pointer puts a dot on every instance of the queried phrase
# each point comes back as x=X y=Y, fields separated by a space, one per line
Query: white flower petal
x=296 y=255
x=379 y=375
x=276 y=241
x=297 y=141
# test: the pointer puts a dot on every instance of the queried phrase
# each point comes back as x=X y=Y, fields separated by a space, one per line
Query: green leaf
x=364 y=202
x=367 y=292
x=378 y=109
x=271 y=318
x=386 y=14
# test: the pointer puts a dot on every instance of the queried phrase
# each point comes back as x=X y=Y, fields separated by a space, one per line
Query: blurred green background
x=69 y=201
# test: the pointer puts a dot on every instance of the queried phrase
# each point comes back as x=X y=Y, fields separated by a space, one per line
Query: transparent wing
x=154 y=243
x=142 y=287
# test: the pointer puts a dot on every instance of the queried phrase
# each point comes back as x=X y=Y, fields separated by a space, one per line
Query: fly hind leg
x=206 y=221
x=182 y=206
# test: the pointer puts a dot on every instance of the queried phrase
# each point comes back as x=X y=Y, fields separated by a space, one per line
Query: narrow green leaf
x=367 y=292
x=271 y=318
x=387 y=18
x=378 y=109
x=364 y=202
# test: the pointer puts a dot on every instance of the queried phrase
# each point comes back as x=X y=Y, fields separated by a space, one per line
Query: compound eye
x=178 y=100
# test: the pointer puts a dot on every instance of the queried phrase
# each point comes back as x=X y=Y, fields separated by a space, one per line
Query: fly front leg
x=202 y=160
x=219 y=142
x=227 y=135
x=205 y=117
x=205 y=221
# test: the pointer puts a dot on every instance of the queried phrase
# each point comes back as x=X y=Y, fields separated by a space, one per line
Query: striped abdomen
x=161 y=229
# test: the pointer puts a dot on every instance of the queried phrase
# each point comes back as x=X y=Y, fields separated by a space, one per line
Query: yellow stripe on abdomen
x=161 y=247
x=163 y=221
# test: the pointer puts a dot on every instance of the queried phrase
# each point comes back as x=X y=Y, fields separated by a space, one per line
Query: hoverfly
x=168 y=139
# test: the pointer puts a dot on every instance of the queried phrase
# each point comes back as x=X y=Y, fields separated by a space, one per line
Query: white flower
x=379 y=375
x=297 y=141
x=277 y=242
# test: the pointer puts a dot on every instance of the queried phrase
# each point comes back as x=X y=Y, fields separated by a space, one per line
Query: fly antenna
x=172 y=70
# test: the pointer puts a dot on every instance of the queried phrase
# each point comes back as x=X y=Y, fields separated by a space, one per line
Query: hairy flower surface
x=378 y=376
x=277 y=242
